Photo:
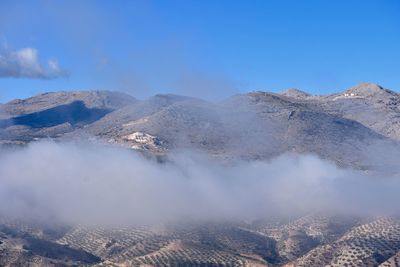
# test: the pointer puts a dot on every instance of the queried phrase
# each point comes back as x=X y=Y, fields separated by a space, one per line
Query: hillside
x=257 y=125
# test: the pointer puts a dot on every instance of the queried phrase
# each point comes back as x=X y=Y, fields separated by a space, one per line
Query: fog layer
x=95 y=184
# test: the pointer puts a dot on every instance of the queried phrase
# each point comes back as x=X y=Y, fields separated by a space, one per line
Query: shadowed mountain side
x=22 y=109
x=48 y=249
x=52 y=250
x=341 y=140
x=75 y=113
x=91 y=99
x=295 y=127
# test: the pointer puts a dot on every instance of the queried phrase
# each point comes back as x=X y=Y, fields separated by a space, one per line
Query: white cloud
x=95 y=184
x=25 y=63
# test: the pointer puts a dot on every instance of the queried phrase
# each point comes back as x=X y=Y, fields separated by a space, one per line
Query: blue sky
x=204 y=48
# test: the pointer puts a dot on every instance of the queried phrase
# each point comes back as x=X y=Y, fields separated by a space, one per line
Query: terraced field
x=202 y=245
x=392 y=262
x=369 y=244
x=312 y=240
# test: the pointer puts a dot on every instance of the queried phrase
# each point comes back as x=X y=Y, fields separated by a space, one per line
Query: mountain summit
x=367 y=90
x=296 y=93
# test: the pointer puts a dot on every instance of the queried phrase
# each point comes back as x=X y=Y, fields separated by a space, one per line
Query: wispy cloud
x=25 y=63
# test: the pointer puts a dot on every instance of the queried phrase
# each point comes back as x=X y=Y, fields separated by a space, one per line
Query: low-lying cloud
x=86 y=183
x=25 y=63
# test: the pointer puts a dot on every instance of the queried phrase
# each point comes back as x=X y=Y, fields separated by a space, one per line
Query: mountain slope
x=257 y=125
x=54 y=114
x=369 y=104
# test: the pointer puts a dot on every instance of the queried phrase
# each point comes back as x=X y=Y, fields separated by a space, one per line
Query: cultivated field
x=312 y=240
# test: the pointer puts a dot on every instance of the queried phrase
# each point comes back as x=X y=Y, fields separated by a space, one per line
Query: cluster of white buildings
x=350 y=94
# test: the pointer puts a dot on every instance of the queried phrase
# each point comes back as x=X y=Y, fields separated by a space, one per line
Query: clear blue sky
x=205 y=48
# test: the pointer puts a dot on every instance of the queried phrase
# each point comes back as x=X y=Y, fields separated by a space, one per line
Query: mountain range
x=357 y=128
x=341 y=127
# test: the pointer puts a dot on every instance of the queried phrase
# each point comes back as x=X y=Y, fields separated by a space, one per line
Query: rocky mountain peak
x=295 y=93
x=366 y=90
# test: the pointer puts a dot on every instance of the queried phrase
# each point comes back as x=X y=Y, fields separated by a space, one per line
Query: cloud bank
x=25 y=63
x=84 y=183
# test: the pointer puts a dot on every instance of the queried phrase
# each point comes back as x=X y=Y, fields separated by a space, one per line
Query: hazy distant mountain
x=256 y=125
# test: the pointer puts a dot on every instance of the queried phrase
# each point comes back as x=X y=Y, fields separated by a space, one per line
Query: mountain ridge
x=254 y=125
